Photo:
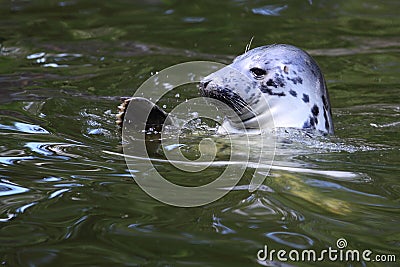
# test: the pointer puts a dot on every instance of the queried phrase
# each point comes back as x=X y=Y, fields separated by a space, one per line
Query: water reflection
x=294 y=240
x=11 y=189
x=54 y=60
x=24 y=128
x=14 y=160
x=270 y=10
x=53 y=149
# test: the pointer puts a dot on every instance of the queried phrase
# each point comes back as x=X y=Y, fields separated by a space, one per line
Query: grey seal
x=288 y=79
x=285 y=77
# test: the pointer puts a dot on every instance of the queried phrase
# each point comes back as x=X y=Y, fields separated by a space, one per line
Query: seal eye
x=258 y=73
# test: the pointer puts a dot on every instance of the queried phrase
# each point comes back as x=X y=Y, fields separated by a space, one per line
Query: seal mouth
x=228 y=97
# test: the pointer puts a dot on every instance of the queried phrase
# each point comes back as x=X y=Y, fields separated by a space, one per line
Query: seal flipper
x=122 y=109
x=156 y=116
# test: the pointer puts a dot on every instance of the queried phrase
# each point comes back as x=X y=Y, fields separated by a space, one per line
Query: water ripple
x=8 y=188
x=58 y=193
x=14 y=160
x=51 y=149
x=294 y=240
x=22 y=209
x=221 y=228
x=27 y=233
x=54 y=60
x=194 y=19
x=259 y=208
x=24 y=128
x=269 y=10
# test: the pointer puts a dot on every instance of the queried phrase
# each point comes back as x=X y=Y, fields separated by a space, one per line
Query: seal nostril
x=205 y=84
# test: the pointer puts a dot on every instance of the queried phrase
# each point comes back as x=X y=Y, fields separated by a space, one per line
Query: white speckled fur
x=292 y=85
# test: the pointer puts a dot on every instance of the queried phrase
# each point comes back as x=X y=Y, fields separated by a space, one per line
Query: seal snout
x=209 y=88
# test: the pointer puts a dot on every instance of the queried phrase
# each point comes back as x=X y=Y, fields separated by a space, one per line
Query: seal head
x=272 y=86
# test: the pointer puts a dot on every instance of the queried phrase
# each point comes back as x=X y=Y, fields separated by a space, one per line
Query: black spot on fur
x=293 y=93
x=313 y=72
x=315 y=110
x=326 y=121
x=279 y=80
x=312 y=121
x=269 y=91
x=325 y=102
x=306 y=98
x=309 y=124
x=296 y=80
x=270 y=82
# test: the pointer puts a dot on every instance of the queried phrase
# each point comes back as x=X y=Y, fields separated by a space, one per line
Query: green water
x=65 y=202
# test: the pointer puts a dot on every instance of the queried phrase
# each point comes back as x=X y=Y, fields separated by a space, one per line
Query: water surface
x=64 y=200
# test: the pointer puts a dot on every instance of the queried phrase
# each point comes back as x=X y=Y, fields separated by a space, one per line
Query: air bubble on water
x=36 y=55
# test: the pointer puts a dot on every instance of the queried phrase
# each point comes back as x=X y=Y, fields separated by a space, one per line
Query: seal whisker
x=248 y=45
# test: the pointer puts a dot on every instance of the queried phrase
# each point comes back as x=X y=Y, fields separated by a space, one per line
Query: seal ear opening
x=155 y=119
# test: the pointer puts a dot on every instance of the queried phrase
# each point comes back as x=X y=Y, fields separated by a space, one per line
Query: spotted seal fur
x=285 y=76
